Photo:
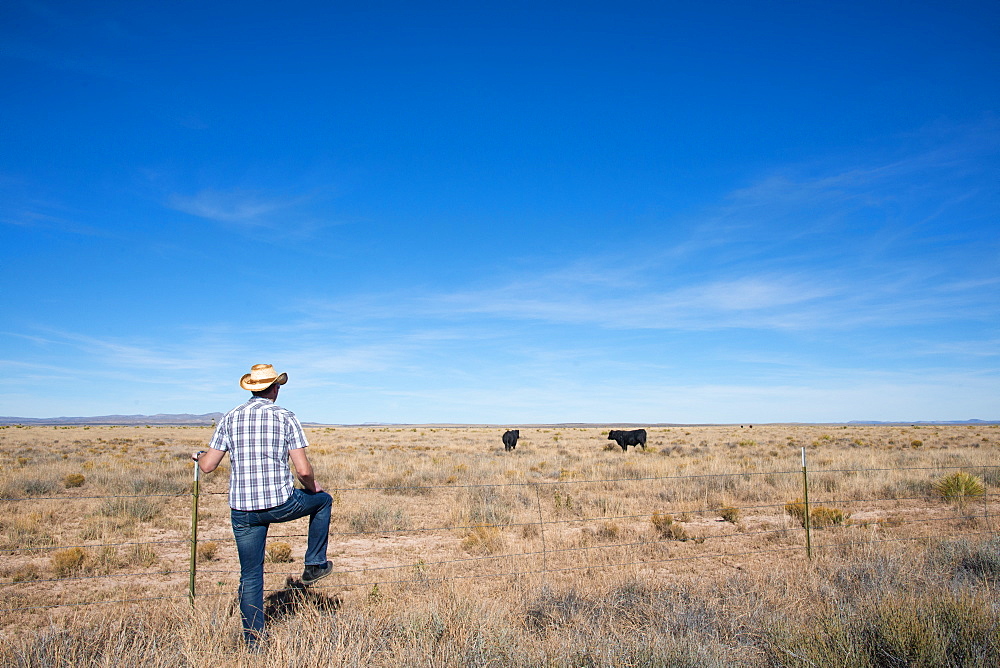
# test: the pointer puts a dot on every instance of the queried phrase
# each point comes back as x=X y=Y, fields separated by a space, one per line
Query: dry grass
x=439 y=537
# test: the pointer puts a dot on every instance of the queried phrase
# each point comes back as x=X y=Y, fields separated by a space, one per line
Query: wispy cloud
x=794 y=300
x=241 y=207
x=43 y=221
x=841 y=245
x=144 y=361
x=21 y=207
x=252 y=210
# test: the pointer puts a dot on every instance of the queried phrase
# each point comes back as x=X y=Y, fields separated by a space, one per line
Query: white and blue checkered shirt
x=258 y=436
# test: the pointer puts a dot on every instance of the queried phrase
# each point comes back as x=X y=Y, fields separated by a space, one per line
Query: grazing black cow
x=510 y=438
x=625 y=438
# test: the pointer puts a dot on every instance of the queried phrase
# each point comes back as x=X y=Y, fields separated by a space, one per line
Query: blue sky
x=522 y=213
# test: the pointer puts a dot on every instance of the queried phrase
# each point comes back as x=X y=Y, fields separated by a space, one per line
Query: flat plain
x=449 y=550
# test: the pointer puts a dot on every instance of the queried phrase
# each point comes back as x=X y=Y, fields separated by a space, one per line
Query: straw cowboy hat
x=261 y=377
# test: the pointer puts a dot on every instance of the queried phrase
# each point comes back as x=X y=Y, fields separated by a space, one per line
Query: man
x=260 y=437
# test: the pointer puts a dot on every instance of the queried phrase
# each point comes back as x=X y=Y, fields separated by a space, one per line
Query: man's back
x=258 y=435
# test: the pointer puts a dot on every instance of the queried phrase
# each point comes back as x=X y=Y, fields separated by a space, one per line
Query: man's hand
x=208 y=460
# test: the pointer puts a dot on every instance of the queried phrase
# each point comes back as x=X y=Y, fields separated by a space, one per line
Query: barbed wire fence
x=977 y=520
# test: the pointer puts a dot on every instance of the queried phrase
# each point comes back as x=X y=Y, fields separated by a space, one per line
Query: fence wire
x=542 y=523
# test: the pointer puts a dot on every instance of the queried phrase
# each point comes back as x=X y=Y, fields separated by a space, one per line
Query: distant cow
x=510 y=438
x=625 y=438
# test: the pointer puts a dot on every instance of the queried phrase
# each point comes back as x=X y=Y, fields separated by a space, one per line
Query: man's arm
x=208 y=460
x=304 y=470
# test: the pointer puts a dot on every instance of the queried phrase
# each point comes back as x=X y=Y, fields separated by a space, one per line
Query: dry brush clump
x=207 y=550
x=730 y=514
x=74 y=480
x=68 y=561
x=137 y=508
x=820 y=517
x=484 y=539
x=26 y=487
x=278 y=552
x=666 y=527
x=379 y=518
x=27 y=530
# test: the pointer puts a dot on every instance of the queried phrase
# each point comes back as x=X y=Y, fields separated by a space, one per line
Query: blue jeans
x=250 y=530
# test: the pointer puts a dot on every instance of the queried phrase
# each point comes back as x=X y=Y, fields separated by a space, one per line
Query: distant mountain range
x=942 y=422
x=177 y=419
x=208 y=419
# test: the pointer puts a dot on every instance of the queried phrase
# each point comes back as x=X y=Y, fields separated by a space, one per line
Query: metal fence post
x=805 y=496
x=194 y=528
x=541 y=529
x=986 y=505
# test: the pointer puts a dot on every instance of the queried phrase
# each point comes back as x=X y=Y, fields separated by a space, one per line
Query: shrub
x=797 y=509
x=28 y=487
x=990 y=475
x=404 y=484
x=106 y=561
x=379 y=518
x=488 y=505
x=206 y=551
x=967 y=559
x=142 y=555
x=819 y=516
x=68 y=561
x=74 y=480
x=900 y=630
x=130 y=508
x=667 y=528
x=25 y=573
x=159 y=484
x=822 y=516
x=608 y=531
x=958 y=487
x=22 y=531
x=730 y=514
x=278 y=553
x=485 y=538
x=562 y=500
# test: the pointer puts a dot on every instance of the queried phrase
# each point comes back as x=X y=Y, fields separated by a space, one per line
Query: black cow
x=625 y=438
x=510 y=438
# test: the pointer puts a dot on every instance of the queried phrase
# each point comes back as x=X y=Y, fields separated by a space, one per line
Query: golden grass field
x=450 y=551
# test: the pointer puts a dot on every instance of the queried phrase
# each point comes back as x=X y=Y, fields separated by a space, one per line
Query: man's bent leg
x=251 y=535
x=319 y=505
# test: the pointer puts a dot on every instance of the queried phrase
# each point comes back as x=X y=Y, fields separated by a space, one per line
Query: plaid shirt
x=258 y=436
